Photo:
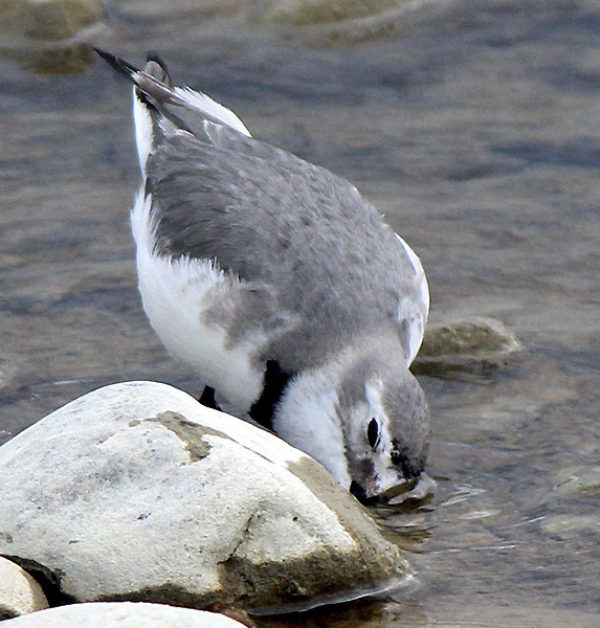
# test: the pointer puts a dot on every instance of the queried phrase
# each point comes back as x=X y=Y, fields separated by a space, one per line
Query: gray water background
x=475 y=127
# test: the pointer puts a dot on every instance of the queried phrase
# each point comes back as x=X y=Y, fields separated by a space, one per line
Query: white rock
x=137 y=492
x=19 y=592
x=122 y=615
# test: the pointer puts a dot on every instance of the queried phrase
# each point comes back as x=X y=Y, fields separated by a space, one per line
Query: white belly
x=174 y=295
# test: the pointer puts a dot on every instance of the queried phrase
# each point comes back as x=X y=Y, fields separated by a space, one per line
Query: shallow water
x=475 y=126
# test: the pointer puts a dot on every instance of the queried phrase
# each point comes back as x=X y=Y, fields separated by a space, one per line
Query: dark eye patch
x=401 y=459
x=373 y=433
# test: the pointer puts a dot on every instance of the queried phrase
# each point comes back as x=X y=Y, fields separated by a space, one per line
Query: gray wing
x=303 y=240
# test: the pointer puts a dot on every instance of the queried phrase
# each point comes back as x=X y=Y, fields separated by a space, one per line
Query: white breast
x=174 y=295
x=307 y=419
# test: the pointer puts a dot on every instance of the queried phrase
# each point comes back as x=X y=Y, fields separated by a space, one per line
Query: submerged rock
x=477 y=344
x=304 y=12
x=137 y=492
x=48 y=36
x=120 y=614
x=573 y=481
x=570 y=527
x=3 y=373
x=51 y=59
x=48 y=19
x=336 y=22
x=19 y=592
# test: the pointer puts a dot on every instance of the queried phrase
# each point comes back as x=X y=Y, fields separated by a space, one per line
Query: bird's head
x=387 y=431
x=367 y=423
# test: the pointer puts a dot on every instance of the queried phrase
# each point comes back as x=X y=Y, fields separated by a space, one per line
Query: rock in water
x=137 y=492
x=48 y=20
x=478 y=345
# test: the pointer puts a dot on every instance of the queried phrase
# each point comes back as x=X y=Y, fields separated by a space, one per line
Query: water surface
x=475 y=127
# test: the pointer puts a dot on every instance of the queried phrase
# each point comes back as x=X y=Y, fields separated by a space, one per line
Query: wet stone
x=569 y=526
x=578 y=480
x=342 y=22
x=19 y=592
x=194 y=507
x=48 y=20
x=477 y=344
x=120 y=614
x=55 y=58
x=304 y=12
x=3 y=375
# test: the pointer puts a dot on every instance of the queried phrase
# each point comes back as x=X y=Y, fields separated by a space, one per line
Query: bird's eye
x=373 y=433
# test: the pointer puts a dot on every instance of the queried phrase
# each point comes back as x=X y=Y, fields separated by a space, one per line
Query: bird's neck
x=306 y=417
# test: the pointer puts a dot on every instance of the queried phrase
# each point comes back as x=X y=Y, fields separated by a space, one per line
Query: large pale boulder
x=122 y=615
x=137 y=492
x=19 y=592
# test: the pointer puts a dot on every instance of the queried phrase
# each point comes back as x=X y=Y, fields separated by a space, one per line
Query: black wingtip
x=116 y=63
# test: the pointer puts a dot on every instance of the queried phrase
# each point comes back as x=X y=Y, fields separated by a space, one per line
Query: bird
x=280 y=286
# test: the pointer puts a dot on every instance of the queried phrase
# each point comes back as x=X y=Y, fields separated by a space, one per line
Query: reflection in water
x=436 y=124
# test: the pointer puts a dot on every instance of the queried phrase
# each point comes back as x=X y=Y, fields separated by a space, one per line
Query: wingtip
x=103 y=53
x=116 y=63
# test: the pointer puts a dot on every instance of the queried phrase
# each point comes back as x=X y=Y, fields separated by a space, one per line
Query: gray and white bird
x=280 y=286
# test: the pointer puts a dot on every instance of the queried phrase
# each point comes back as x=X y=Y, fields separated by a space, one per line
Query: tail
x=161 y=107
x=153 y=83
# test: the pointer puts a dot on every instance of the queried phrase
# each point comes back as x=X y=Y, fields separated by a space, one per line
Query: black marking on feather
x=275 y=382
x=401 y=459
x=207 y=398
